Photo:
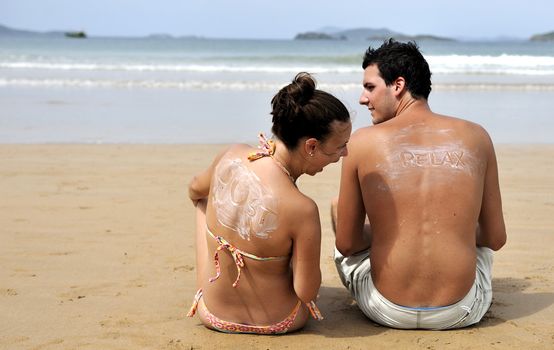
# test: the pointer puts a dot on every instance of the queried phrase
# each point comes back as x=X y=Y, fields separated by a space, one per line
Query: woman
x=258 y=236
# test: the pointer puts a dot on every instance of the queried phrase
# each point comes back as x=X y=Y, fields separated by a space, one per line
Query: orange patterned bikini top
x=267 y=149
x=237 y=255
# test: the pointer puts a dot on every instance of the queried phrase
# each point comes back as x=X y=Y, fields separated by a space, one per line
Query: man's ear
x=399 y=85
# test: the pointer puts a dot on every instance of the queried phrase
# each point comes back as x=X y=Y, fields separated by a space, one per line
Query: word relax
x=421 y=159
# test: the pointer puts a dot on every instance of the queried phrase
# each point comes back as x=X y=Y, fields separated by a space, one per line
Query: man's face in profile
x=377 y=96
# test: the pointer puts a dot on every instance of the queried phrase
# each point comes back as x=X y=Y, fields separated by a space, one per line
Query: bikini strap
x=266 y=148
x=314 y=310
x=235 y=253
x=195 y=302
x=220 y=239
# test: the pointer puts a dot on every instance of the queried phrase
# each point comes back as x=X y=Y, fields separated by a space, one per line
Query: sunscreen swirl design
x=241 y=202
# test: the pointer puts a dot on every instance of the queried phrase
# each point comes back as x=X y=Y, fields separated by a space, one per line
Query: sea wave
x=241 y=85
x=502 y=64
x=440 y=64
x=199 y=68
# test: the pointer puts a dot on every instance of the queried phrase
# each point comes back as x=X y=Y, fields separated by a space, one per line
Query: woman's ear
x=310 y=146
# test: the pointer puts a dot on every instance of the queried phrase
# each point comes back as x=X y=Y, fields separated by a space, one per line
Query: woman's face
x=332 y=149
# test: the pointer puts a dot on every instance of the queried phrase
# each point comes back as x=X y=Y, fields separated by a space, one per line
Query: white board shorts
x=355 y=273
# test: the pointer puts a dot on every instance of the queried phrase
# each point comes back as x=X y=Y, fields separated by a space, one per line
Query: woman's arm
x=199 y=186
x=306 y=251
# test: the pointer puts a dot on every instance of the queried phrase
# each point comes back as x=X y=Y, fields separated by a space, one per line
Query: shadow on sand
x=513 y=299
x=343 y=319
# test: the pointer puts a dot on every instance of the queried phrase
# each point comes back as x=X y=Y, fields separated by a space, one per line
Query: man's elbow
x=498 y=243
x=495 y=243
x=346 y=249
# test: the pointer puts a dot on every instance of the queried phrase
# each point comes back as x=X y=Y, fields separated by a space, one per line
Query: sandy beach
x=97 y=252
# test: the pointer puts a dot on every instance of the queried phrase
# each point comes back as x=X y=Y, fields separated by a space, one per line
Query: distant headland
x=363 y=34
x=367 y=34
x=326 y=33
x=543 y=37
x=72 y=34
x=7 y=31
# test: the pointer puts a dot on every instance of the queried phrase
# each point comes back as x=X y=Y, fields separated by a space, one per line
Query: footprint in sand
x=187 y=268
x=8 y=292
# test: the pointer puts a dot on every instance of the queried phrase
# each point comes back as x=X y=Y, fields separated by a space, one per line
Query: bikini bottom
x=233 y=327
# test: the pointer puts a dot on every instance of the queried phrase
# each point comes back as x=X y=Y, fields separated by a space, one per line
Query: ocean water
x=160 y=90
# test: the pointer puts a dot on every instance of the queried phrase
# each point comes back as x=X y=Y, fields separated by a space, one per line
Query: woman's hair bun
x=302 y=88
x=288 y=102
x=300 y=110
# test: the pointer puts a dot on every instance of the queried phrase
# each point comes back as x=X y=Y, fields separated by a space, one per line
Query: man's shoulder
x=465 y=127
x=367 y=134
x=458 y=128
x=459 y=122
x=364 y=146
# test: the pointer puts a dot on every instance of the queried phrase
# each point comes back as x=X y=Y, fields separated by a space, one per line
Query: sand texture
x=97 y=252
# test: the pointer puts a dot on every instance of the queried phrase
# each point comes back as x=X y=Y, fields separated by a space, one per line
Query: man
x=428 y=185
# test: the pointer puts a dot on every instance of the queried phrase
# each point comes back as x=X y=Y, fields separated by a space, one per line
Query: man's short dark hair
x=395 y=59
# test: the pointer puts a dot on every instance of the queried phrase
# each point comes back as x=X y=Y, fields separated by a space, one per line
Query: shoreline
x=131 y=116
x=98 y=252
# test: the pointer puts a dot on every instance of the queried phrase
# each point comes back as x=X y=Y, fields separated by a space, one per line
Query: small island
x=76 y=35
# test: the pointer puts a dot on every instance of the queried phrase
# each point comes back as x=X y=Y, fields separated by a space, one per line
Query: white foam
x=484 y=64
x=440 y=64
x=239 y=85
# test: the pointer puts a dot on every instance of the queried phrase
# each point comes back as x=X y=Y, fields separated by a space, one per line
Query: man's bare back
x=422 y=179
x=419 y=196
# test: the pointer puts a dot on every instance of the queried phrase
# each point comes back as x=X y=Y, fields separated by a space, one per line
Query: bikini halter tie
x=235 y=253
x=267 y=149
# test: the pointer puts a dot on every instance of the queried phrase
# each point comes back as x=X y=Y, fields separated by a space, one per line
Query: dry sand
x=97 y=252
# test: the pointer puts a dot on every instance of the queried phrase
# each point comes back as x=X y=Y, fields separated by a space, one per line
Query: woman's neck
x=291 y=161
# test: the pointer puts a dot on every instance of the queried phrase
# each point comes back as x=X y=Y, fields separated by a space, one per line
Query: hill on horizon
x=335 y=33
x=324 y=33
x=7 y=31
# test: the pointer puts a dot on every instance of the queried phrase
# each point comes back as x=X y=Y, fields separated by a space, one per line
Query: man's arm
x=350 y=236
x=491 y=231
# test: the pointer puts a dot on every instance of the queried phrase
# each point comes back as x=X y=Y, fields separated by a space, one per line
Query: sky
x=281 y=19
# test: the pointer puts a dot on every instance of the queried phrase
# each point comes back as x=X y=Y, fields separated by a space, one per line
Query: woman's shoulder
x=300 y=206
x=238 y=150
